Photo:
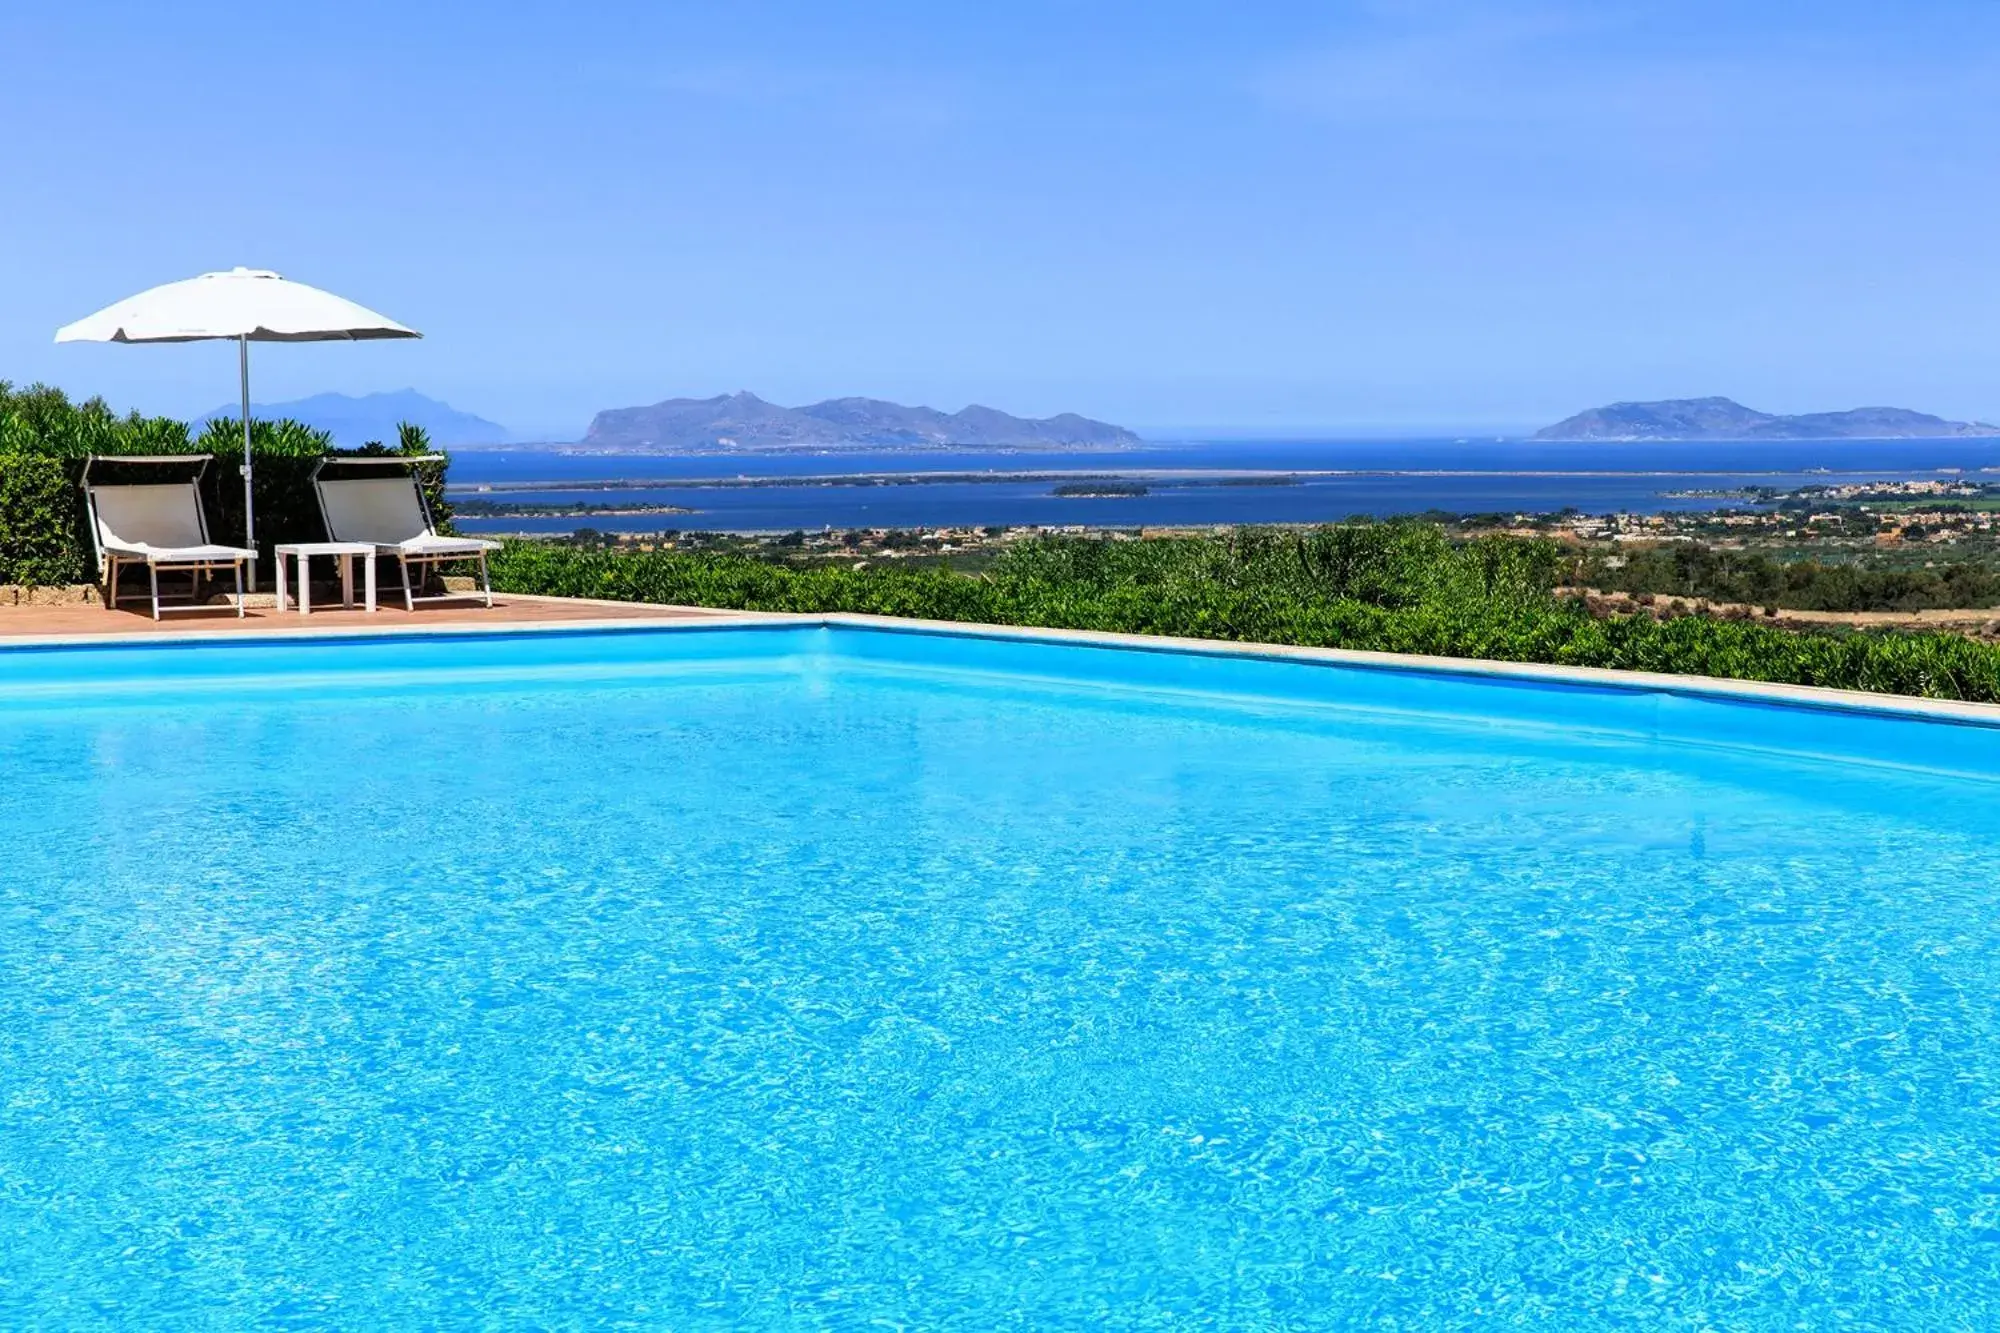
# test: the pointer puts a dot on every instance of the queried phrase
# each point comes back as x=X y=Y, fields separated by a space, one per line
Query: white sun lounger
x=390 y=514
x=159 y=525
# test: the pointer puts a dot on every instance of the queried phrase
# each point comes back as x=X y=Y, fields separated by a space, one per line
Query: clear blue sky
x=1269 y=215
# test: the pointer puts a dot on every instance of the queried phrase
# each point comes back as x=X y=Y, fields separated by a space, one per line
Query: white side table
x=346 y=551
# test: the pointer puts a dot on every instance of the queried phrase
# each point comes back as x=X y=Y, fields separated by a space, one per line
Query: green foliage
x=38 y=521
x=44 y=438
x=42 y=420
x=413 y=441
x=1806 y=585
x=283 y=455
x=1388 y=587
x=223 y=437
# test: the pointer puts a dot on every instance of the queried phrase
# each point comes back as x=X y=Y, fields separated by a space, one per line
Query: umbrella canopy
x=244 y=306
x=244 y=303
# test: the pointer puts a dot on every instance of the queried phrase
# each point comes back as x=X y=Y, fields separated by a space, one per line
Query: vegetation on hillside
x=1756 y=579
x=1394 y=587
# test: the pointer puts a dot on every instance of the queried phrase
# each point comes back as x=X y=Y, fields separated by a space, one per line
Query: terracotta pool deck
x=33 y=621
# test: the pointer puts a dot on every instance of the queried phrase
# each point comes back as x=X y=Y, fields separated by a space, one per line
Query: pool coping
x=695 y=619
x=1812 y=696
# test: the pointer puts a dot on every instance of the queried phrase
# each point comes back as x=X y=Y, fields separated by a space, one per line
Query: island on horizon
x=1687 y=419
x=745 y=423
x=353 y=420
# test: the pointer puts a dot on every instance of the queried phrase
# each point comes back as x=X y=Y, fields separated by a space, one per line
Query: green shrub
x=1387 y=587
x=39 y=520
x=1725 y=575
x=45 y=438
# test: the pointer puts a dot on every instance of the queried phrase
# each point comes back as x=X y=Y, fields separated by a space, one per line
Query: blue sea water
x=1379 y=478
x=843 y=979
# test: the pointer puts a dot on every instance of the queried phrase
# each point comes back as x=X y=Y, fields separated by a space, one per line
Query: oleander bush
x=45 y=438
x=1390 y=587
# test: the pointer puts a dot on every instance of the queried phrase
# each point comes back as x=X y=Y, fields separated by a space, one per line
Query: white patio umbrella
x=244 y=305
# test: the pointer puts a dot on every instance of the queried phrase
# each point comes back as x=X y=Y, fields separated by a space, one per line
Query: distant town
x=1881 y=515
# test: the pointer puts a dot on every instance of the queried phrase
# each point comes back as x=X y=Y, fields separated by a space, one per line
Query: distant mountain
x=743 y=421
x=1722 y=419
x=356 y=421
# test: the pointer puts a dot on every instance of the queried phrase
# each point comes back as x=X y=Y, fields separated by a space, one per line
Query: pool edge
x=677 y=619
x=1817 y=697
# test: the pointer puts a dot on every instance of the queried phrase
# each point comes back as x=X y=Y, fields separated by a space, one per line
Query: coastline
x=1151 y=474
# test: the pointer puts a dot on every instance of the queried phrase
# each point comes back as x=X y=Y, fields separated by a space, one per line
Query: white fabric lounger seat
x=171 y=555
x=389 y=514
x=161 y=527
x=432 y=544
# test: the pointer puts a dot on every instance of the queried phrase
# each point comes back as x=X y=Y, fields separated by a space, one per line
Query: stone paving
x=90 y=618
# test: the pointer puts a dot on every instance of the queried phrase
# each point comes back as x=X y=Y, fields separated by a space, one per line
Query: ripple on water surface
x=865 y=1000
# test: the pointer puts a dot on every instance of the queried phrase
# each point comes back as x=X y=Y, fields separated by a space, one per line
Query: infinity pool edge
x=1818 y=698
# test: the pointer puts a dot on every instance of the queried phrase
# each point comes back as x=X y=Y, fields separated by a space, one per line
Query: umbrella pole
x=249 y=521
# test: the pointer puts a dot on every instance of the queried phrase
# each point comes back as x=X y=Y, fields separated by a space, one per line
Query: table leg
x=305 y=585
x=368 y=579
x=282 y=557
x=347 y=581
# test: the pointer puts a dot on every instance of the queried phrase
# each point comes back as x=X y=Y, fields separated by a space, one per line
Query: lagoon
x=1332 y=480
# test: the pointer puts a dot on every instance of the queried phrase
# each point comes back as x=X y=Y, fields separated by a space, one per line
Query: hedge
x=45 y=438
x=1396 y=587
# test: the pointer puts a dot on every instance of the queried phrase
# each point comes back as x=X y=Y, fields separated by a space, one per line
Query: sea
x=1187 y=483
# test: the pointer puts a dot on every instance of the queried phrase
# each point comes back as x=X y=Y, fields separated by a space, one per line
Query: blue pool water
x=835 y=978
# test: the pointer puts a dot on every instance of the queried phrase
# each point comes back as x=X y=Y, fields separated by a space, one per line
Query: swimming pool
x=829 y=976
